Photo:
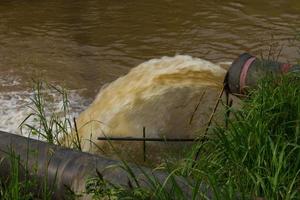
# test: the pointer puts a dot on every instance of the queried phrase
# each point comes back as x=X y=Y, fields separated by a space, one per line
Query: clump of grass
x=99 y=188
x=19 y=184
x=50 y=125
x=258 y=155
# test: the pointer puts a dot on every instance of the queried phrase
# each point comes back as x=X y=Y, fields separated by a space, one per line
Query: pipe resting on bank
x=66 y=168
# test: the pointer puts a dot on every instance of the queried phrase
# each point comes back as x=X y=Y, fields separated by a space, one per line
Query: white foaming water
x=15 y=106
x=8 y=81
x=160 y=94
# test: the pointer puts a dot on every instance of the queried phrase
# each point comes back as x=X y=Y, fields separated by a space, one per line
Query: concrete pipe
x=66 y=168
x=247 y=70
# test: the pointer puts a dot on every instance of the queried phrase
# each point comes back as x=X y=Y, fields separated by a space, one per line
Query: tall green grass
x=20 y=184
x=50 y=125
x=258 y=155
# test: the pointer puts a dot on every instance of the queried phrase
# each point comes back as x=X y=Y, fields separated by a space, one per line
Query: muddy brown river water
x=82 y=45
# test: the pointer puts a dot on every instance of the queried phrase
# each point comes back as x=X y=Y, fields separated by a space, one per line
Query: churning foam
x=15 y=106
x=161 y=95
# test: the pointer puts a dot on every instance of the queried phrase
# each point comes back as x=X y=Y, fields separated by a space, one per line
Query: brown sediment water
x=160 y=95
x=83 y=45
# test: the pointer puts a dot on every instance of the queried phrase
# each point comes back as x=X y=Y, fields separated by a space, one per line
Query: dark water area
x=82 y=45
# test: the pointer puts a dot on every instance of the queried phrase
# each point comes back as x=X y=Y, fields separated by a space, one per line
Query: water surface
x=82 y=45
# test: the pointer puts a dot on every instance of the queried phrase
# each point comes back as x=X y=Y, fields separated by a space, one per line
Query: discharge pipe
x=66 y=169
x=246 y=71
